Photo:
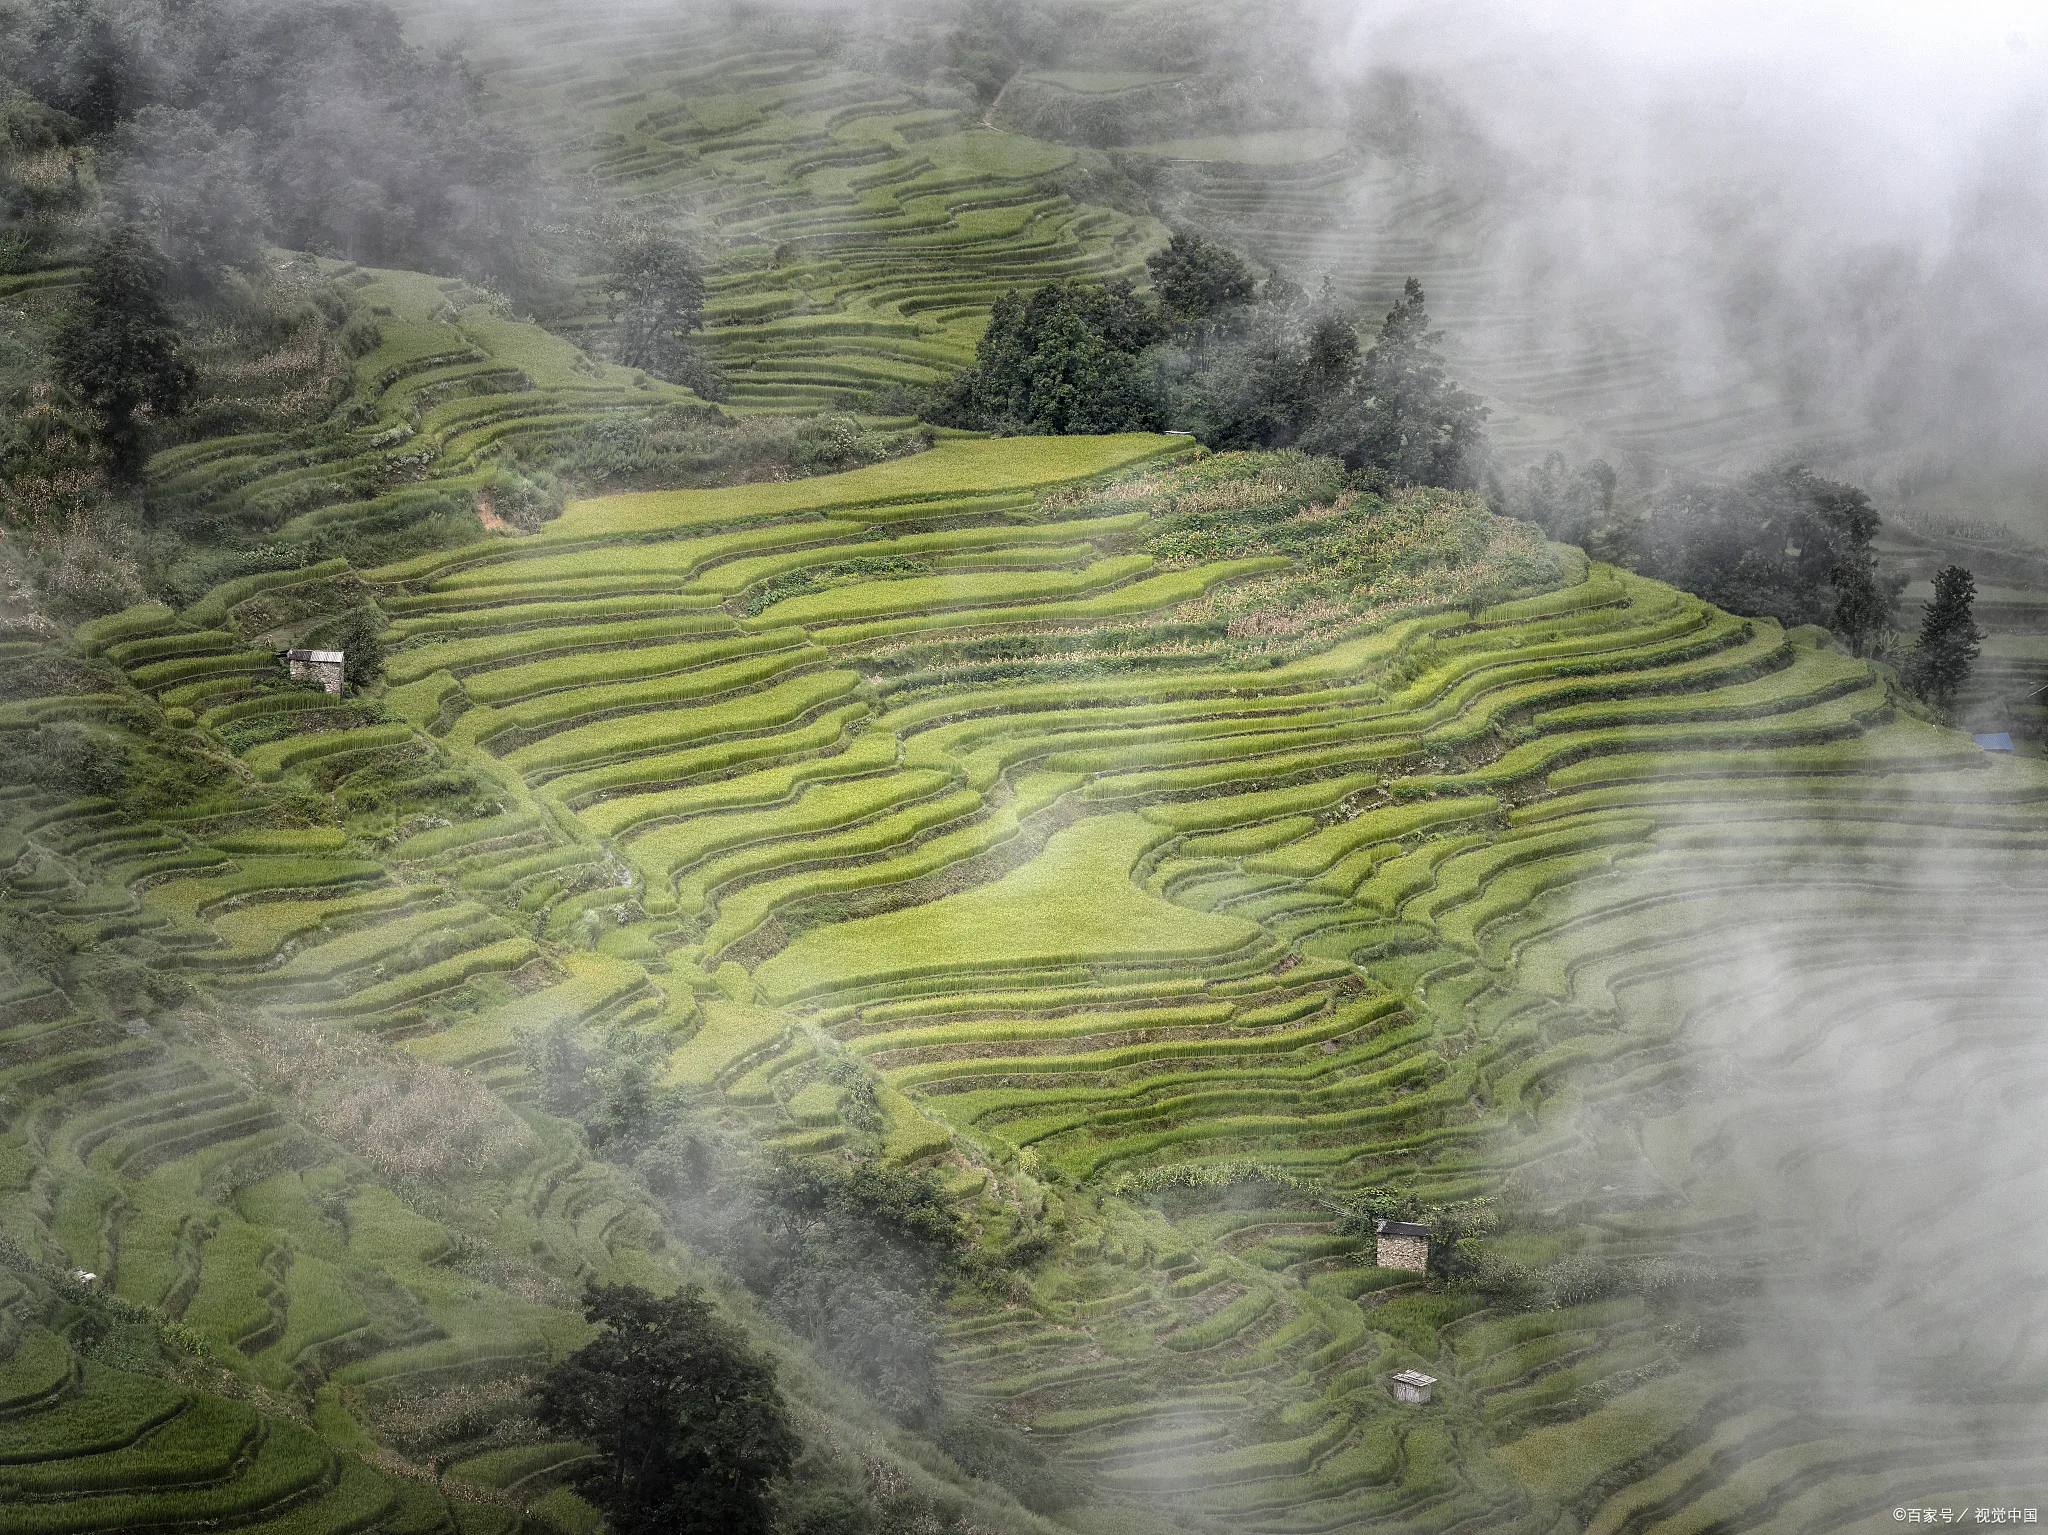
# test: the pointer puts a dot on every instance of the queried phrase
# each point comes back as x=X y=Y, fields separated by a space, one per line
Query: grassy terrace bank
x=1168 y=887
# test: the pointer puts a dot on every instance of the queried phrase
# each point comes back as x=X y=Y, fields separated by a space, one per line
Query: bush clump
x=524 y=498
x=67 y=758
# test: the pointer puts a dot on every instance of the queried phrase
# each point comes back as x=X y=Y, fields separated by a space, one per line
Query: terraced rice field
x=868 y=221
x=864 y=227
x=1167 y=911
x=866 y=224
x=1168 y=905
x=450 y=386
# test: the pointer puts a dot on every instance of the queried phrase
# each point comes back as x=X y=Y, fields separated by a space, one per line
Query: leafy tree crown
x=1196 y=278
x=686 y=1420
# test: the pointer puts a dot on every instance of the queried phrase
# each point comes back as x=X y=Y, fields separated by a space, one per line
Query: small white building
x=321 y=666
x=1412 y=1386
x=1402 y=1245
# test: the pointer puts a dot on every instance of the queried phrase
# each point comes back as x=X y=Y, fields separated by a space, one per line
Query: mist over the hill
x=1833 y=213
x=1851 y=1154
x=1820 y=226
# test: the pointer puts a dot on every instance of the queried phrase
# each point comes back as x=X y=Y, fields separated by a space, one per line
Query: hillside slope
x=1170 y=894
x=862 y=225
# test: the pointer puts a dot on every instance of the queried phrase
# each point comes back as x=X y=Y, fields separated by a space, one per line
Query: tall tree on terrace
x=1863 y=599
x=118 y=349
x=1403 y=416
x=655 y=292
x=1196 y=278
x=1949 y=638
x=688 y=1425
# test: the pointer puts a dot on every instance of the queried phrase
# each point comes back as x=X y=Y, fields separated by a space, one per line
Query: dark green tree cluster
x=689 y=1429
x=1068 y=358
x=1400 y=414
x=1265 y=377
x=1196 y=278
x=1785 y=544
x=1574 y=505
x=1950 y=640
x=1234 y=364
x=232 y=123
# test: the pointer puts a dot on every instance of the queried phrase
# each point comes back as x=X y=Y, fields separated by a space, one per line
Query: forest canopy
x=1232 y=362
x=229 y=124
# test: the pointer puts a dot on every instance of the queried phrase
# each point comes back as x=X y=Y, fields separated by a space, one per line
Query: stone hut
x=1412 y=1386
x=321 y=666
x=1403 y=1245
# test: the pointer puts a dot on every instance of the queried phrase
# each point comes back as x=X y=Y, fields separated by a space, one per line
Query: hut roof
x=1414 y=1378
x=1402 y=1229
x=313 y=655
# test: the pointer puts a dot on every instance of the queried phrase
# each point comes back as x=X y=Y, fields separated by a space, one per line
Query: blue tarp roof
x=1998 y=742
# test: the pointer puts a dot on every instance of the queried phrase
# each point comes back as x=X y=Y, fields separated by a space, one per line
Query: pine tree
x=1863 y=601
x=118 y=348
x=1841 y=525
x=1949 y=638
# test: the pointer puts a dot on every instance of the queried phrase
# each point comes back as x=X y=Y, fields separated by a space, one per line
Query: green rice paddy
x=1163 y=940
x=1171 y=911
